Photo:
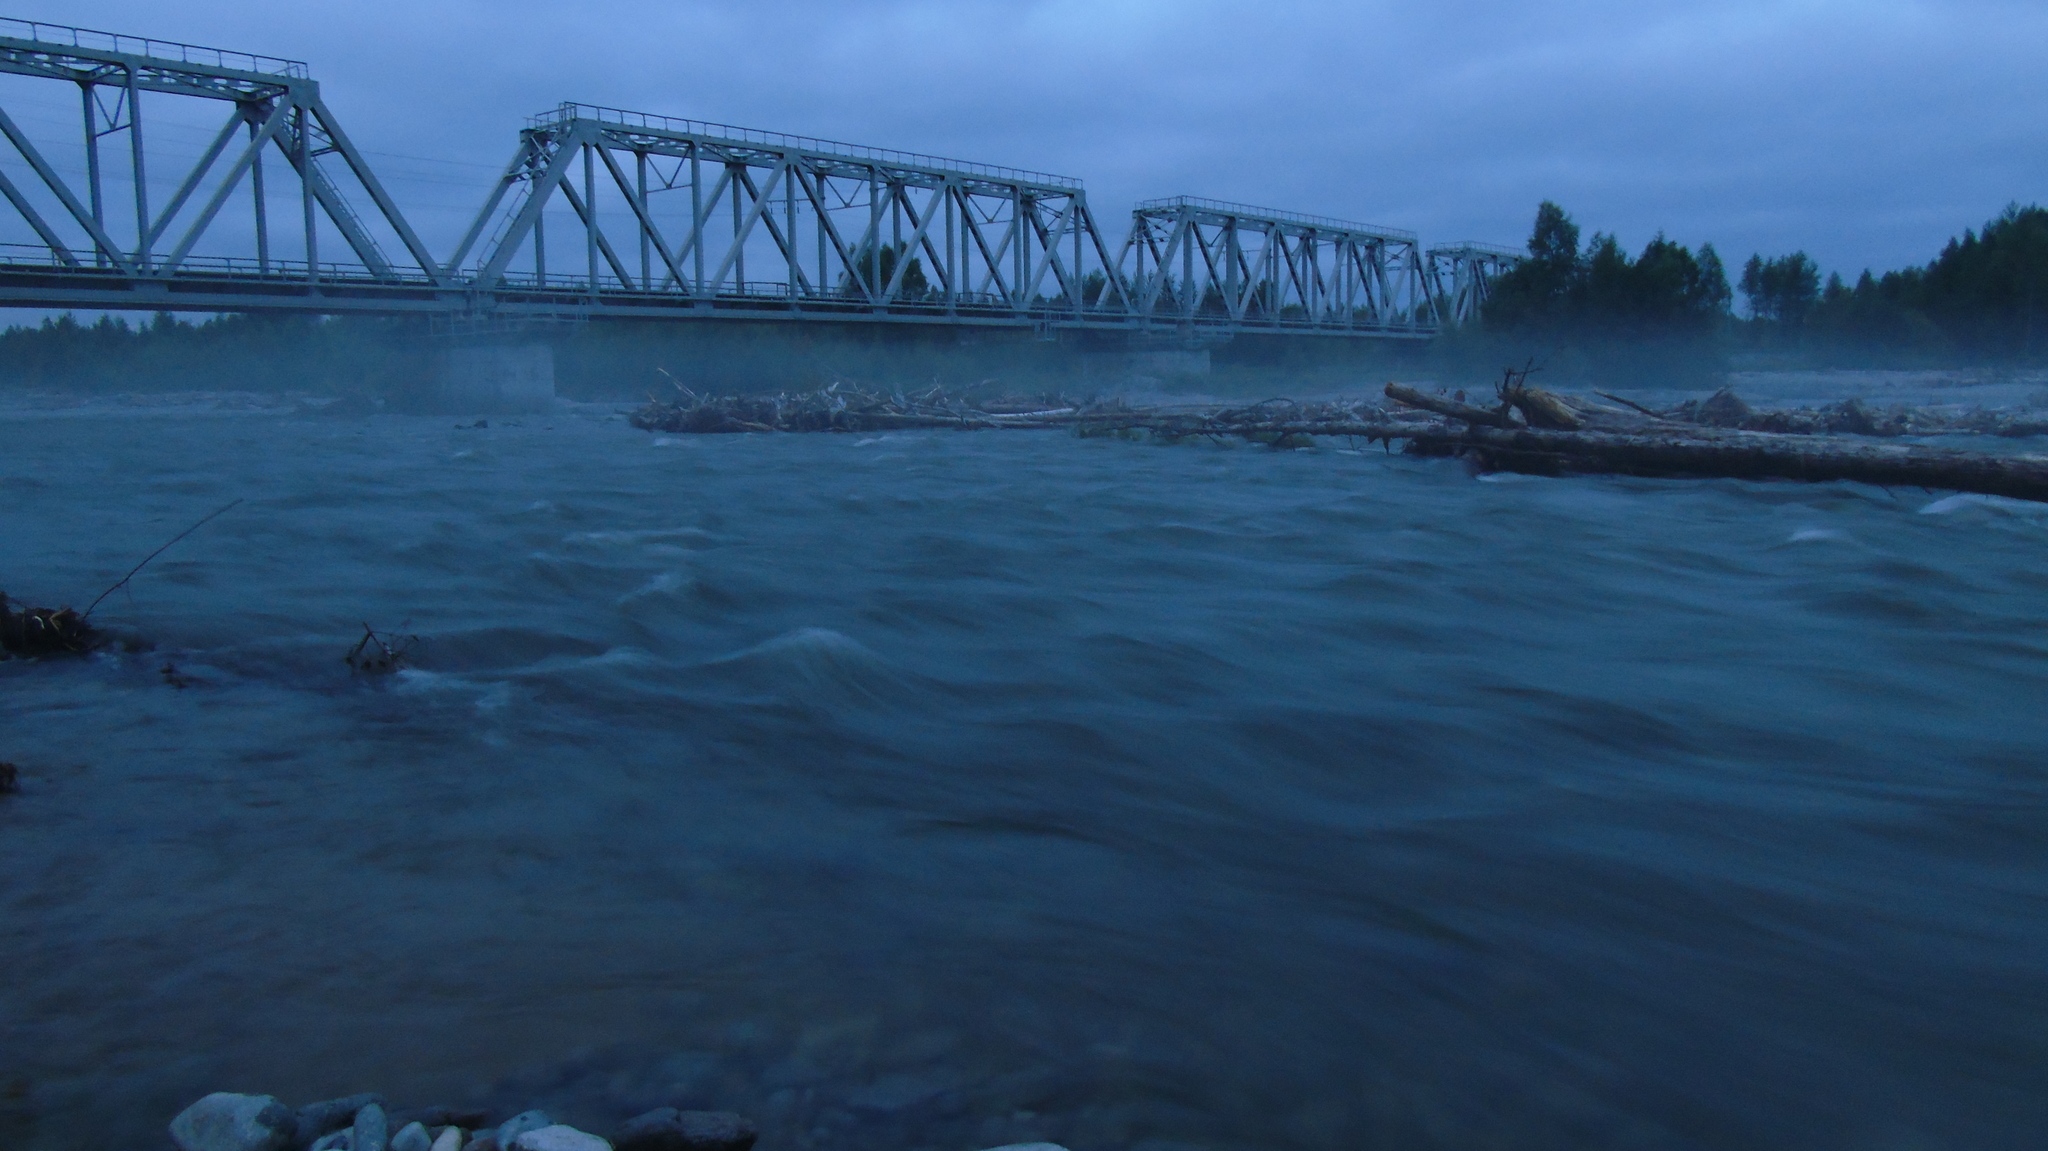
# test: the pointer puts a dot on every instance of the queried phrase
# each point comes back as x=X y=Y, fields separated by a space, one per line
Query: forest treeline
x=600 y=360
x=1596 y=310
x=1984 y=298
x=231 y=352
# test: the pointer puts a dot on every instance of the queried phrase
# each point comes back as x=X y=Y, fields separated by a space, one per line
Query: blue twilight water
x=945 y=790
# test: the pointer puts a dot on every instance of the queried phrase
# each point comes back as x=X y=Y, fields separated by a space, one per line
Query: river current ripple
x=950 y=789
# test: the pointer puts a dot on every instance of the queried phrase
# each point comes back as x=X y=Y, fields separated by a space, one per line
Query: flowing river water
x=942 y=790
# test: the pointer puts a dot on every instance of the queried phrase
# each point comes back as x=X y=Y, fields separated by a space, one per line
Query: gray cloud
x=1864 y=132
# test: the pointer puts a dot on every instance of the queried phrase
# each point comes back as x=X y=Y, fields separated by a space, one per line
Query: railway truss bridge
x=605 y=213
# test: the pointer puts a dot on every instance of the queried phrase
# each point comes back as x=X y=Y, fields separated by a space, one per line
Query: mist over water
x=951 y=789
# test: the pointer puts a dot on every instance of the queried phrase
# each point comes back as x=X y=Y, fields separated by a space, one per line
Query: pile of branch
x=1534 y=431
x=1526 y=429
x=1725 y=409
x=847 y=408
x=380 y=654
x=32 y=632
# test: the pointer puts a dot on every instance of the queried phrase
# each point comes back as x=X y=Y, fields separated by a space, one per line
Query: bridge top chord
x=63 y=35
x=1229 y=209
x=570 y=110
x=1477 y=248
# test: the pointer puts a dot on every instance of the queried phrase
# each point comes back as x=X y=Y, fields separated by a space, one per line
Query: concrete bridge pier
x=492 y=378
x=1141 y=359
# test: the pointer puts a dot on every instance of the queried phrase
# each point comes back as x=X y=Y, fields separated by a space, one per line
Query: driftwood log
x=1531 y=430
x=1672 y=451
x=1614 y=443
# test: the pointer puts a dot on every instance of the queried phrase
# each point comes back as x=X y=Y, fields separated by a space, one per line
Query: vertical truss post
x=1016 y=250
x=92 y=164
x=141 y=180
x=261 y=203
x=739 y=226
x=640 y=192
x=947 y=194
x=1074 y=281
x=697 y=218
x=304 y=163
x=590 y=214
x=874 y=252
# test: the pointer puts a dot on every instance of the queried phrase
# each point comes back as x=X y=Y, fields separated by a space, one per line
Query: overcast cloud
x=1865 y=133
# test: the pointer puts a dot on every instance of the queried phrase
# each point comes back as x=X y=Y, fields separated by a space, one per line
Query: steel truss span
x=1203 y=261
x=838 y=230
x=1461 y=275
x=652 y=218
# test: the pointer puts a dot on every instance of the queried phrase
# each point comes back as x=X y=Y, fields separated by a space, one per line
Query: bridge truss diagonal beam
x=841 y=226
x=273 y=100
x=1461 y=278
x=1203 y=260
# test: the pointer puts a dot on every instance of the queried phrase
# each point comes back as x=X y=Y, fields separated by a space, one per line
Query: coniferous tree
x=1784 y=289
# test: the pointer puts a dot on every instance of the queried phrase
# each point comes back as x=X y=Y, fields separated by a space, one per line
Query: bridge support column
x=1141 y=364
x=492 y=378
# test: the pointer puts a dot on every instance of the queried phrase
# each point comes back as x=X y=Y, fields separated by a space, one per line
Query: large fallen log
x=1669 y=451
x=1653 y=450
x=1415 y=398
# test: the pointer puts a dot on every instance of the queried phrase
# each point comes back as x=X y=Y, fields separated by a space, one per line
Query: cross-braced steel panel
x=145 y=247
x=1209 y=263
x=610 y=213
x=729 y=218
x=1461 y=277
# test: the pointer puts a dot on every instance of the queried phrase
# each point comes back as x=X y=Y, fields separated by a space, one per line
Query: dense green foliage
x=594 y=361
x=1984 y=298
x=237 y=352
x=1783 y=290
x=881 y=266
x=1563 y=291
x=1592 y=312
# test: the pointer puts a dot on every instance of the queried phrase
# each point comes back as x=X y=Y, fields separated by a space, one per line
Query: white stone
x=224 y=1121
x=450 y=1140
x=561 y=1137
x=412 y=1137
x=511 y=1129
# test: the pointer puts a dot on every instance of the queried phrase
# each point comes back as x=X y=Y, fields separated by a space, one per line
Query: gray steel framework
x=842 y=229
x=1461 y=277
x=1209 y=262
x=665 y=218
x=272 y=104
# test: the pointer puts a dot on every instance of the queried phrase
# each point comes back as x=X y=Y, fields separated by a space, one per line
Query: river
x=942 y=790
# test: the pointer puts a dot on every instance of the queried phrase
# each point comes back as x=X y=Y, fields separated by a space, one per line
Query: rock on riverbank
x=229 y=1122
x=224 y=1121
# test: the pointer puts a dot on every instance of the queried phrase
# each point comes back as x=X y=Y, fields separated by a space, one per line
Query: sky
x=1864 y=133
